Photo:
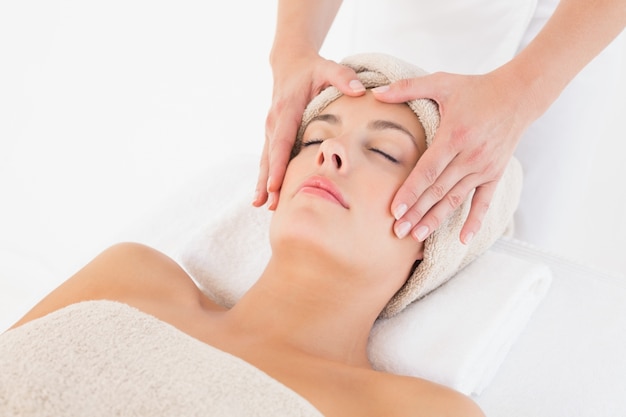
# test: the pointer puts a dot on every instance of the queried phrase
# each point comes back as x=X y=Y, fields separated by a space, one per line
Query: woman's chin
x=304 y=238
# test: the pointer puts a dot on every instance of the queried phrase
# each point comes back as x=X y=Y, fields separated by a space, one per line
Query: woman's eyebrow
x=387 y=124
x=327 y=117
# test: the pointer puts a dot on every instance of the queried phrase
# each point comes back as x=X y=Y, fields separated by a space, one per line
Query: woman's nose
x=331 y=152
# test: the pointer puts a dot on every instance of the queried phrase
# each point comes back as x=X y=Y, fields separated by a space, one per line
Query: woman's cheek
x=387 y=189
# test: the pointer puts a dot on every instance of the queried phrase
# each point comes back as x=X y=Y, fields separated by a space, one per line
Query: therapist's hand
x=297 y=79
x=482 y=120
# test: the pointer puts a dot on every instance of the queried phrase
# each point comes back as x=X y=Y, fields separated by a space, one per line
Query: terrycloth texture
x=444 y=254
x=375 y=70
x=458 y=335
x=103 y=358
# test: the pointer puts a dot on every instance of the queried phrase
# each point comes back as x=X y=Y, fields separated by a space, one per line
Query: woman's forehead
x=368 y=106
x=366 y=109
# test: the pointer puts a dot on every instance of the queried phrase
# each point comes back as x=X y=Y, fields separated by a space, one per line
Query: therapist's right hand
x=297 y=79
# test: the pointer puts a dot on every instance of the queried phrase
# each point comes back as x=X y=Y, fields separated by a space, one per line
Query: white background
x=107 y=108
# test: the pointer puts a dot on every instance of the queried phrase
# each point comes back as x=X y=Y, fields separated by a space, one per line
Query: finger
x=436 y=202
x=425 y=173
x=481 y=200
x=260 y=194
x=428 y=86
x=439 y=212
x=279 y=151
x=272 y=200
x=347 y=82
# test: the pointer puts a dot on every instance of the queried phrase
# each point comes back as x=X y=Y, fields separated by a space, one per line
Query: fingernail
x=380 y=89
x=270 y=200
x=356 y=86
x=399 y=211
x=403 y=229
x=421 y=233
x=256 y=196
x=468 y=238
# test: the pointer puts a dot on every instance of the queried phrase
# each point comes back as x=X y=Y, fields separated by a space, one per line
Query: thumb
x=347 y=81
x=427 y=86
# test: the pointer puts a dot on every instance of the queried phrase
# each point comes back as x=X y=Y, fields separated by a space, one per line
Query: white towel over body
x=103 y=358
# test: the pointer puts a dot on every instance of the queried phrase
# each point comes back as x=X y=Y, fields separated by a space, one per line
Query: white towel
x=458 y=335
x=104 y=358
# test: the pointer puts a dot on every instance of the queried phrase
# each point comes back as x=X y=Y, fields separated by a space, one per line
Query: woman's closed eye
x=384 y=154
x=310 y=142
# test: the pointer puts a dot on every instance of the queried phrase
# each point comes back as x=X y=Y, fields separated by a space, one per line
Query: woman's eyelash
x=384 y=154
x=312 y=142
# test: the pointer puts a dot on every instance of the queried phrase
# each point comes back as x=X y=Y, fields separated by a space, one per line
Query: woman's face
x=336 y=196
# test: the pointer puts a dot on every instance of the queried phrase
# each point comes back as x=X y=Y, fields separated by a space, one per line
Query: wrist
x=292 y=49
x=531 y=86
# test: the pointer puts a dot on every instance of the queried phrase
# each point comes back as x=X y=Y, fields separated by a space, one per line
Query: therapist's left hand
x=482 y=120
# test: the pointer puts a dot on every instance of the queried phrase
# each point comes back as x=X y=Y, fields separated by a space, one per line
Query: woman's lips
x=324 y=188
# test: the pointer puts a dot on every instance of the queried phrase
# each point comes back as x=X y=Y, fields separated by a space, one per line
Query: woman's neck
x=318 y=309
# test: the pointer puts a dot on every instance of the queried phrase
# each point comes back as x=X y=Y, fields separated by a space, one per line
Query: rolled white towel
x=460 y=334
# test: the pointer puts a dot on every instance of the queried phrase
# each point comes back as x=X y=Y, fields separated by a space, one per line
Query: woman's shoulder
x=129 y=270
x=339 y=390
x=409 y=396
x=131 y=273
x=152 y=282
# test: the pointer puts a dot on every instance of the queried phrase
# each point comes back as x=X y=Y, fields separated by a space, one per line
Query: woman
x=336 y=264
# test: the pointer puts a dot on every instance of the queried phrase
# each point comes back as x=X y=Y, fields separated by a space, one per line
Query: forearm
x=577 y=32
x=302 y=26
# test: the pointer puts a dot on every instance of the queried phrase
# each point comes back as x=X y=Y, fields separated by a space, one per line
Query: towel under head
x=374 y=70
x=444 y=254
